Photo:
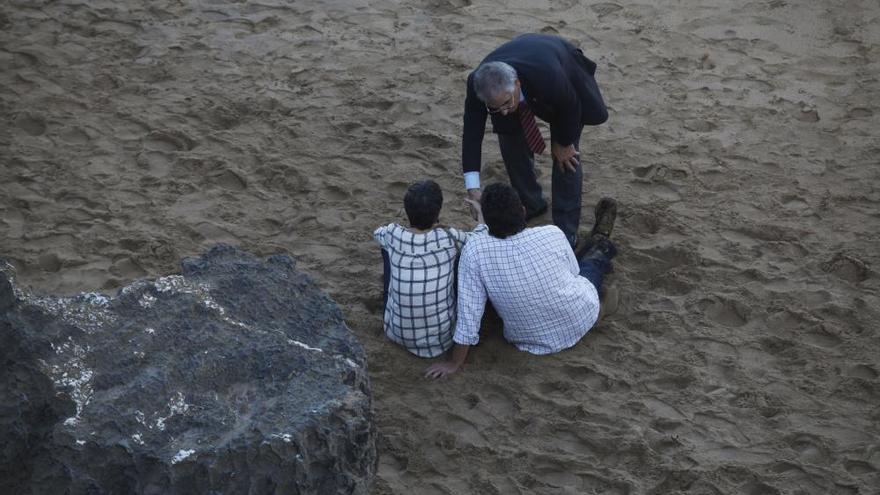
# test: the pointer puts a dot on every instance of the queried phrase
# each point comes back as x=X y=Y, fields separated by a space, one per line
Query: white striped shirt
x=533 y=281
x=420 y=313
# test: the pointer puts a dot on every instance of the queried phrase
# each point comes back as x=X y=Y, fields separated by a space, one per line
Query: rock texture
x=238 y=376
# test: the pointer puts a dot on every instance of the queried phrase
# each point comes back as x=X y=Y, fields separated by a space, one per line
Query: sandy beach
x=740 y=347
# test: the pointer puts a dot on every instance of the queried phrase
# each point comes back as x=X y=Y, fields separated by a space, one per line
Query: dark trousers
x=596 y=261
x=386 y=277
x=567 y=186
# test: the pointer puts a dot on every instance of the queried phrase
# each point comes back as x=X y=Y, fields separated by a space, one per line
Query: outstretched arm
x=471 y=304
x=476 y=209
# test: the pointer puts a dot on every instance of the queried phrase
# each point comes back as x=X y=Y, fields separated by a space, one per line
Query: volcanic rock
x=236 y=377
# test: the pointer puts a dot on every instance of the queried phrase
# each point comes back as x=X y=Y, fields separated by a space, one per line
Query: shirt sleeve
x=564 y=248
x=380 y=233
x=471 y=301
x=463 y=237
x=472 y=180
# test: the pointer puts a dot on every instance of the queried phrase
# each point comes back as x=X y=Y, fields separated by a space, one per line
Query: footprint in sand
x=128 y=269
x=594 y=380
x=75 y=136
x=33 y=125
x=158 y=163
x=863 y=371
x=604 y=8
x=847 y=267
x=231 y=180
x=860 y=113
x=660 y=260
x=125 y=29
x=336 y=193
x=800 y=111
x=673 y=284
x=859 y=468
x=557 y=389
x=49 y=262
x=724 y=311
x=443 y=7
x=497 y=402
x=465 y=432
x=819 y=336
x=642 y=224
x=808 y=448
x=432 y=141
x=758 y=488
x=168 y=141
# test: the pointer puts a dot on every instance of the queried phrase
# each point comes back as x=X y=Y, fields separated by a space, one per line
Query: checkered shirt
x=420 y=313
x=533 y=282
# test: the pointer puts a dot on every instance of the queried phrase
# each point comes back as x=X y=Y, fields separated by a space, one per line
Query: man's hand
x=446 y=368
x=476 y=210
x=567 y=158
x=440 y=370
x=473 y=200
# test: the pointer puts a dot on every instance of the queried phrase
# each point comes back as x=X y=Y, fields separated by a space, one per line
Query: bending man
x=534 y=75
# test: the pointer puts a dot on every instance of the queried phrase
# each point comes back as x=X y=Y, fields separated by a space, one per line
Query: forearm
x=459 y=354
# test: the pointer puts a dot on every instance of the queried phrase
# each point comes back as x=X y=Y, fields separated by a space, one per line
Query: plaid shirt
x=532 y=279
x=420 y=313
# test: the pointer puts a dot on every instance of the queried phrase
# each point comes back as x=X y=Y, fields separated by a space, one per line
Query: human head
x=422 y=203
x=502 y=210
x=496 y=84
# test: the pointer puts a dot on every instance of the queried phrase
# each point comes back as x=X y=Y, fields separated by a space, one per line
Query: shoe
x=537 y=213
x=598 y=242
x=606 y=213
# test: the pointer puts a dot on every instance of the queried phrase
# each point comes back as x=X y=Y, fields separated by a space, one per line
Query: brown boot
x=606 y=213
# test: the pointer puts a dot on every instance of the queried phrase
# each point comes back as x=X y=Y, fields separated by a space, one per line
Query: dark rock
x=236 y=377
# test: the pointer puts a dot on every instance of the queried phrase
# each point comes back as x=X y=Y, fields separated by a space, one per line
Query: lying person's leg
x=596 y=262
x=594 y=258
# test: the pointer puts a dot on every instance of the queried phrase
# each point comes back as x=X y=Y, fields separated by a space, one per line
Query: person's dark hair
x=502 y=210
x=422 y=203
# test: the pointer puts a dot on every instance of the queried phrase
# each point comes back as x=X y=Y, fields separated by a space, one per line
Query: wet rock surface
x=237 y=376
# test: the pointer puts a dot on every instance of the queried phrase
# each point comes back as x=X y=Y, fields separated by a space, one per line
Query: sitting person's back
x=533 y=281
x=547 y=295
x=419 y=275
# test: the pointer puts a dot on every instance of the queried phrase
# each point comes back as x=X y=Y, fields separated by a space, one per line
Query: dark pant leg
x=567 y=189
x=594 y=264
x=386 y=278
x=520 y=164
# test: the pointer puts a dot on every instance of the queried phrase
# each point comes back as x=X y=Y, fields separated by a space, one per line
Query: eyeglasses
x=507 y=107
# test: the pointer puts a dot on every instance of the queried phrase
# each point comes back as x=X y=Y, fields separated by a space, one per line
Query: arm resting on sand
x=446 y=368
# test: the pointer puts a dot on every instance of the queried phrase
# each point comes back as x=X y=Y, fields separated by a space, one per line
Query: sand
x=739 y=352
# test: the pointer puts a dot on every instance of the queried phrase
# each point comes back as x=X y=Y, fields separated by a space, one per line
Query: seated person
x=419 y=273
x=547 y=295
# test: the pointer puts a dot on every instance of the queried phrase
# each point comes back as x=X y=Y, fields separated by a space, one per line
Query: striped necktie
x=530 y=129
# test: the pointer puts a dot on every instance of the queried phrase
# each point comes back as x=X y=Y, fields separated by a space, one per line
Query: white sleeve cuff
x=471 y=180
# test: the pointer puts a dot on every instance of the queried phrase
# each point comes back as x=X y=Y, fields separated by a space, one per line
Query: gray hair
x=492 y=79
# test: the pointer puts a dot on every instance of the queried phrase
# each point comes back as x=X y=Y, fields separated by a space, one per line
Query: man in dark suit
x=534 y=75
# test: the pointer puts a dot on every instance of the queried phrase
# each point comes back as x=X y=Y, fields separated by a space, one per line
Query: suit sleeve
x=566 y=125
x=475 y=115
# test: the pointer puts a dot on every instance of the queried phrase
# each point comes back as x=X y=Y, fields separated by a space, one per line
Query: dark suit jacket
x=557 y=80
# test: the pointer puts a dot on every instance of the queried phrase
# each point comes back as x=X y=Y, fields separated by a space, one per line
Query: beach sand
x=739 y=352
